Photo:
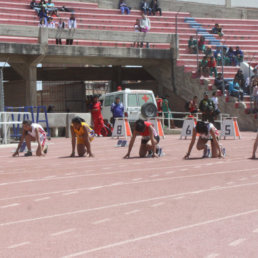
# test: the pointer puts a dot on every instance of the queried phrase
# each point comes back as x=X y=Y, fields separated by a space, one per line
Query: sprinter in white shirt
x=32 y=132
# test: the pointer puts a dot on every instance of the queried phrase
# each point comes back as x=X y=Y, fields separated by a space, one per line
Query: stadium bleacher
x=237 y=32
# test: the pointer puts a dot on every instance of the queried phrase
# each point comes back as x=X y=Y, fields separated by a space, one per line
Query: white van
x=132 y=101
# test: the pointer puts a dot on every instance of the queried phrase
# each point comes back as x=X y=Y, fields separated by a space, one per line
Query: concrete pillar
x=228 y=3
x=29 y=83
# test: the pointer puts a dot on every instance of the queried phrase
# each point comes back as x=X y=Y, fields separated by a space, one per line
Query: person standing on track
x=84 y=134
x=32 y=132
x=148 y=133
x=207 y=131
x=96 y=115
x=255 y=146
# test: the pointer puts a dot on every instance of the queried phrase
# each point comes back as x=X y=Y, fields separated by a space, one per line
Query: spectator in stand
x=145 y=7
x=42 y=23
x=35 y=6
x=253 y=80
x=159 y=105
x=240 y=79
x=255 y=96
x=203 y=67
x=217 y=30
x=234 y=90
x=217 y=54
x=231 y=57
x=215 y=100
x=50 y=23
x=208 y=51
x=212 y=66
x=42 y=4
x=145 y=26
x=43 y=15
x=124 y=7
x=201 y=44
x=239 y=56
x=117 y=109
x=137 y=28
x=219 y=83
x=71 y=25
x=207 y=108
x=192 y=45
x=193 y=105
x=226 y=59
x=60 y=27
x=155 y=7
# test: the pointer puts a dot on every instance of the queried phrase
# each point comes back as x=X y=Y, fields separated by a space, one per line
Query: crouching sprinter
x=32 y=132
x=84 y=134
x=149 y=142
x=207 y=132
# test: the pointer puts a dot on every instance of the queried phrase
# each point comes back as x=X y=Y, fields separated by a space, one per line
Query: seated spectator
x=42 y=23
x=42 y=4
x=145 y=24
x=226 y=59
x=240 y=79
x=50 y=23
x=239 y=56
x=208 y=51
x=71 y=25
x=217 y=54
x=145 y=7
x=217 y=30
x=124 y=7
x=212 y=66
x=192 y=45
x=234 y=90
x=203 y=67
x=60 y=27
x=35 y=6
x=43 y=15
x=219 y=81
x=137 y=28
x=201 y=44
x=231 y=56
x=193 y=105
x=155 y=7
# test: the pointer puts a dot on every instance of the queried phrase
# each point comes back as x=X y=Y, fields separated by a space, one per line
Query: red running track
x=106 y=206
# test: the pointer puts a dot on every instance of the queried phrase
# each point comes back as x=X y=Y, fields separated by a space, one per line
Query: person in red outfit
x=96 y=116
x=159 y=105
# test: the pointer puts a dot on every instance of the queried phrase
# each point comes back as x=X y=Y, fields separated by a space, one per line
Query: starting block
x=157 y=126
x=230 y=128
x=121 y=128
x=188 y=126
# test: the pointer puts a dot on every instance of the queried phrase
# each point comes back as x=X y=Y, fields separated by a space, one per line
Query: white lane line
x=49 y=177
x=18 y=245
x=70 y=193
x=131 y=212
x=237 y=242
x=42 y=199
x=70 y=174
x=243 y=178
x=197 y=166
x=95 y=187
x=100 y=221
x=117 y=183
x=212 y=255
x=156 y=175
x=254 y=176
x=10 y=205
x=170 y=172
x=63 y=232
x=123 y=204
x=215 y=187
x=137 y=179
x=255 y=231
x=180 y=197
x=158 y=234
x=183 y=169
x=157 y=204
x=230 y=183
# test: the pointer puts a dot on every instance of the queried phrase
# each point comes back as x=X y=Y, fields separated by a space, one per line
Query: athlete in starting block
x=84 y=134
x=255 y=146
x=149 y=134
x=207 y=131
x=32 y=132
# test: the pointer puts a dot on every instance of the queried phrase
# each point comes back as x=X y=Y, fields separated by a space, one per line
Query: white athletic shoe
x=207 y=152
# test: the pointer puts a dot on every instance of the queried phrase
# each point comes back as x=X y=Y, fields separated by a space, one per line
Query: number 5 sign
x=121 y=128
x=188 y=126
x=230 y=128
